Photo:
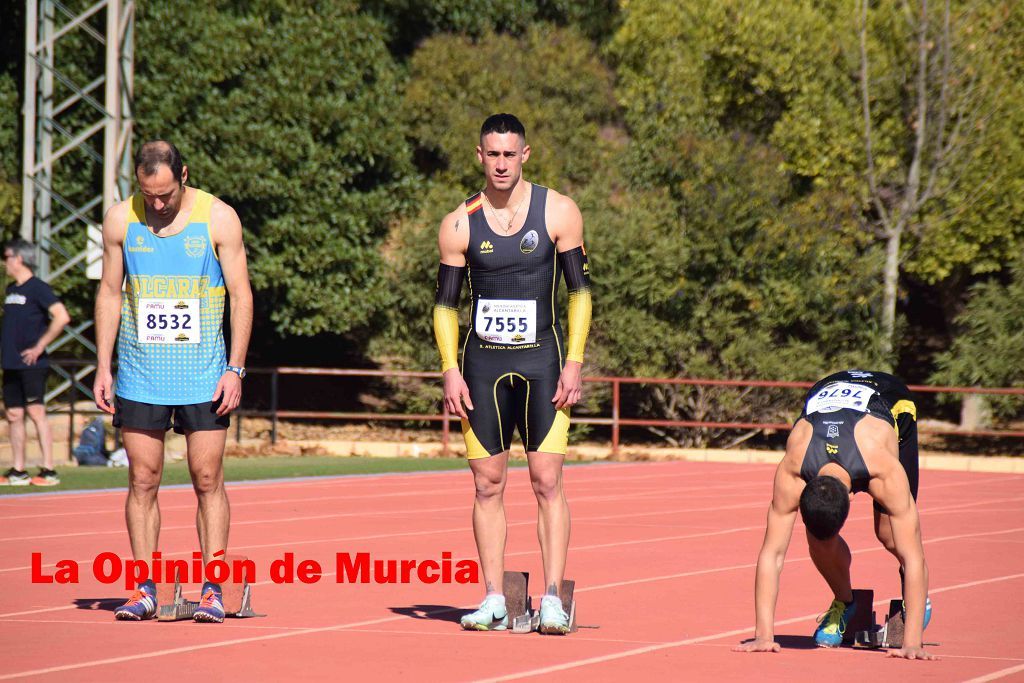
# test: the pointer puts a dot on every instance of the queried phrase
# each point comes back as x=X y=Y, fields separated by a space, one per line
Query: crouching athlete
x=857 y=432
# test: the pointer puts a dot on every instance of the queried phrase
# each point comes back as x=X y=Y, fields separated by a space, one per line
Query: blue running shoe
x=491 y=616
x=211 y=607
x=833 y=623
x=141 y=606
x=927 y=612
x=553 y=619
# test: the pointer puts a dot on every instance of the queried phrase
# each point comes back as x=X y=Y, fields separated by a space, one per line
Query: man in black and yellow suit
x=512 y=243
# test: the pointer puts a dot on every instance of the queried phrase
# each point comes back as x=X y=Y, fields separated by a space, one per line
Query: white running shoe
x=492 y=615
x=553 y=619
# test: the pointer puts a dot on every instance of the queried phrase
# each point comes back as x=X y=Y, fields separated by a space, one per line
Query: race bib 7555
x=506 y=321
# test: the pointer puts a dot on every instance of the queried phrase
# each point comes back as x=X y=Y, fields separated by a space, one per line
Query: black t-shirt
x=26 y=317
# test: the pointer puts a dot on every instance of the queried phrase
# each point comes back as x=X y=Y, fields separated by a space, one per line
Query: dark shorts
x=512 y=390
x=25 y=387
x=197 y=417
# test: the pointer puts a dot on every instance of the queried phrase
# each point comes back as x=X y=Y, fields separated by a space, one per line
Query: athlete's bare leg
x=832 y=558
x=489 y=523
x=37 y=411
x=206 y=466
x=552 y=516
x=16 y=429
x=883 y=532
x=145 y=450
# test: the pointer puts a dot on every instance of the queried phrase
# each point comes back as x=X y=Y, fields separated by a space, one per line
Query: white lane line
x=372 y=622
x=995 y=675
x=726 y=634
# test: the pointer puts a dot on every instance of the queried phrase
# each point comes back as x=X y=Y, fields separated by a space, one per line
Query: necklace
x=494 y=213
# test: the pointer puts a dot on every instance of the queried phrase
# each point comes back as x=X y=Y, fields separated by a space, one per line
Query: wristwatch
x=238 y=371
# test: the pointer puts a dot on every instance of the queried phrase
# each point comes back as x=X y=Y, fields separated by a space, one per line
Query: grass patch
x=248 y=469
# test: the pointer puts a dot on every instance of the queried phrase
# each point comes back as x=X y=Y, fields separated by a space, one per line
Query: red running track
x=663 y=555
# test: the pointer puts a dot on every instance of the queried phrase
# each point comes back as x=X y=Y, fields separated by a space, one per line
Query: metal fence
x=616 y=421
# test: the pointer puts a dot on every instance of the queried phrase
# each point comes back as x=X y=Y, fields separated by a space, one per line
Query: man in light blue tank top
x=178 y=254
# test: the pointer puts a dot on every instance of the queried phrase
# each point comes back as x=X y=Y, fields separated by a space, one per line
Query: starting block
x=888 y=635
x=522 y=617
x=172 y=605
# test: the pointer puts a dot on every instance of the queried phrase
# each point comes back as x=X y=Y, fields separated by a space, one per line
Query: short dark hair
x=824 y=505
x=156 y=153
x=23 y=248
x=503 y=123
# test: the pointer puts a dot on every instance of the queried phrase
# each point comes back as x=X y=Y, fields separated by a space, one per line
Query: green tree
x=725 y=276
x=286 y=111
x=412 y=21
x=989 y=349
x=10 y=157
x=551 y=78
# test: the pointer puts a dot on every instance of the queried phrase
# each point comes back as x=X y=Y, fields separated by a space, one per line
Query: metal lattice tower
x=67 y=57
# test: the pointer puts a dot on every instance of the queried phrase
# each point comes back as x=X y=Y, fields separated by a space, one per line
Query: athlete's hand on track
x=911 y=653
x=103 y=391
x=758 y=645
x=456 y=392
x=570 y=385
x=230 y=387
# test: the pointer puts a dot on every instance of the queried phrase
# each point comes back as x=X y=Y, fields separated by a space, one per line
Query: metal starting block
x=522 y=617
x=172 y=605
x=888 y=635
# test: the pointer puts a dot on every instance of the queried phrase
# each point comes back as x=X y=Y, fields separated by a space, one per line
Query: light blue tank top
x=171 y=341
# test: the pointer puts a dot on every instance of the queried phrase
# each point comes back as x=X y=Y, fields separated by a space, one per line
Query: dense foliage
x=717 y=150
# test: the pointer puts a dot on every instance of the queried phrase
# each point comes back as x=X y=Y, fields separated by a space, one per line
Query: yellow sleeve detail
x=579 y=324
x=446 y=332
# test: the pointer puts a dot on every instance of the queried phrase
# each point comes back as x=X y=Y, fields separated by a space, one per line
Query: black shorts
x=25 y=387
x=197 y=417
x=512 y=389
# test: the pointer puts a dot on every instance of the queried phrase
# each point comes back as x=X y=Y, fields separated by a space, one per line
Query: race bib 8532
x=168 y=321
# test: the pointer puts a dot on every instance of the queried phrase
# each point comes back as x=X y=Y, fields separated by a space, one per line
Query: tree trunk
x=891 y=277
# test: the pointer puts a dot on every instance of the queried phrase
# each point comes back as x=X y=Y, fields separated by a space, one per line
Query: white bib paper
x=506 y=321
x=839 y=395
x=168 y=321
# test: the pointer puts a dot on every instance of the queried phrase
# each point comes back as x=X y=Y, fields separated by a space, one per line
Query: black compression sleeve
x=576 y=268
x=449 y=285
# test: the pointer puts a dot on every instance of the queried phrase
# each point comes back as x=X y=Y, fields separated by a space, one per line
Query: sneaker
x=833 y=624
x=141 y=606
x=491 y=616
x=553 y=619
x=13 y=477
x=211 y=607
x=46 y=478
